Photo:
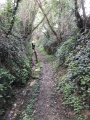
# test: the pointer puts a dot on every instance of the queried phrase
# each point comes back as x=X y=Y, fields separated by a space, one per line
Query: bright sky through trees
x=2 y=1
x=87 y=6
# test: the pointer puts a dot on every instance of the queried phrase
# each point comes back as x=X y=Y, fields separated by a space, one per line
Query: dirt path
x=44 y=108
x=49 y=104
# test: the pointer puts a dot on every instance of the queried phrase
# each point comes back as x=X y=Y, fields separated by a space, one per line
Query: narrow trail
x=44 y=111
x=43 y=107
x=49 y=103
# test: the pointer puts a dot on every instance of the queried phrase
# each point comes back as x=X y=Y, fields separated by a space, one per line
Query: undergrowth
x=75 y=84
x=49 y=58
x=13 y=73
x=30 y=111
x=6 y=90
x=65 y=49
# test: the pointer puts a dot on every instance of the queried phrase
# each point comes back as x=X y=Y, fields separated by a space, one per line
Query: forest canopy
x=61 y=28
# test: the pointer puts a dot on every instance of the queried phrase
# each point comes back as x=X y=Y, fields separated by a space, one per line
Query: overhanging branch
x=40 y=22
x=40 y=6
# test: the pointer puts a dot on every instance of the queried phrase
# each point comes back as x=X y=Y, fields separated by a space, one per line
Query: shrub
x=50 y=45
x=6 y=91
x=75 y=85
x=65 y=49
x=18 y=74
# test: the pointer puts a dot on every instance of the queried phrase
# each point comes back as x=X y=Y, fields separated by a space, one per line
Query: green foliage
x=30 y=109
x=6 y=91
x=19 y=70
x=50 y=57
x=49 y=44
x=15 y=51
x=75 y=85
x=75 y=102
x=17 y=77
x=65 y=49
x=48 y=41
x=7 y=14
x=41 y=48
x=21 y=76
x=71 y=99
x=27 y=117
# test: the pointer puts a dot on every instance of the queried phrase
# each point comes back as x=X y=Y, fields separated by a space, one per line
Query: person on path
x=34 y=51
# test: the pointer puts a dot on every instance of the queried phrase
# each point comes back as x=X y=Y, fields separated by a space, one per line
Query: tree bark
x=84 y=13
x=78 y=17
x=13 y=17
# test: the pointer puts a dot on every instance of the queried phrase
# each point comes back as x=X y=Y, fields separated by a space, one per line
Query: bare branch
x=40 y=22
x=40 y=6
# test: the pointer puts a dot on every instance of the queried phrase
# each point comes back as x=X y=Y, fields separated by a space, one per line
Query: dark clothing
x=33 y=46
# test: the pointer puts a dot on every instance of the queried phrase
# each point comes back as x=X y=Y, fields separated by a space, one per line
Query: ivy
x=65 y=49
x=6 y=91
x=75 y=85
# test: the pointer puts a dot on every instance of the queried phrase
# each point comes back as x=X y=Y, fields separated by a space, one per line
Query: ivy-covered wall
x=75 y=84
x=15 y=70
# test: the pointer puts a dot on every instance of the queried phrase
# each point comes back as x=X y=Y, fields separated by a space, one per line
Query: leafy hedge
x=6 y=91
x=75 y=84
x=14 y=77
x=50 y=45
x=65 y=49
x=15 y=71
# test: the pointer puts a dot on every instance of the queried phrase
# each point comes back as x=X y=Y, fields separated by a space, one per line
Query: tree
x=84 y=14
x=52 y=29
x=13 y=17
x=82 y=21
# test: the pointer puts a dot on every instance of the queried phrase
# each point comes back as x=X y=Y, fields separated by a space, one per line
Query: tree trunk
x=54 y=32
x=78 y=17
x=84 y=14
x=13 y=17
